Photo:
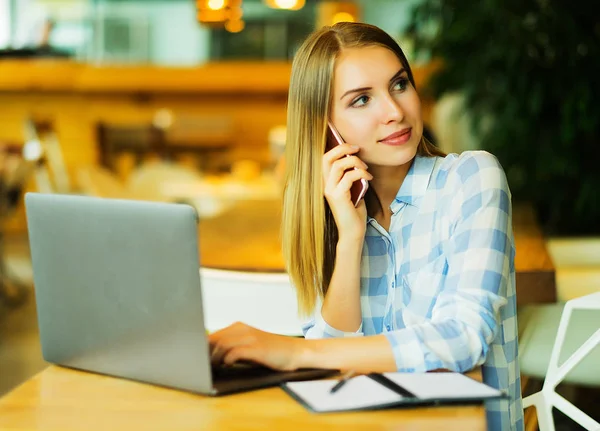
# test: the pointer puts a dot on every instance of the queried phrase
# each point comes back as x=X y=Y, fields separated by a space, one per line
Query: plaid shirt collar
x=416 y=182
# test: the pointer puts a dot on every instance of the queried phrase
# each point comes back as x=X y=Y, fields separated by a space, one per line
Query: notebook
x=388 y=390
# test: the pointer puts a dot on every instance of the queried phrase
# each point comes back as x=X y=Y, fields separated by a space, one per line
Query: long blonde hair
x=309 y=233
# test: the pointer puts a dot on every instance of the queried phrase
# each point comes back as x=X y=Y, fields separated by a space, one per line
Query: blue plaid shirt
x=441 y=283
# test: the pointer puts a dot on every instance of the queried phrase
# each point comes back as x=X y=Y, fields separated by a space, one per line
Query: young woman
x=419 y=275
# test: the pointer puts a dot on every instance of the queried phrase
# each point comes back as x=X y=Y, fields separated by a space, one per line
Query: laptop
x=118 y=292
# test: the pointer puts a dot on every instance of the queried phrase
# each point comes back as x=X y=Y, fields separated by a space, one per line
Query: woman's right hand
x=338 y=176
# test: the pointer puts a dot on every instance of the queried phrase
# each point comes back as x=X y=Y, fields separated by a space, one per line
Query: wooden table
x=536 y=275
x=246 y=237
x=64 y=399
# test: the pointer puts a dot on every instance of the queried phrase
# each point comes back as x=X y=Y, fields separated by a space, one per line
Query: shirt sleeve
x=317 y=327
x=480 y=256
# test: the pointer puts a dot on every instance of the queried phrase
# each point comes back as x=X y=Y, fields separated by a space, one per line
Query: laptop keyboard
x=240 y=370
x=244 y=376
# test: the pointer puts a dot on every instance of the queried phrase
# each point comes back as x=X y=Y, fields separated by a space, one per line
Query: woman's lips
x=398 y=138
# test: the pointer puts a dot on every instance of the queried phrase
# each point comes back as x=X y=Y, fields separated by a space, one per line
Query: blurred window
x=260 y=39
x=124 y=39
x=5 y=24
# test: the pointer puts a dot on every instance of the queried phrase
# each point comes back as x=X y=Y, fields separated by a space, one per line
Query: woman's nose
x=392 y=111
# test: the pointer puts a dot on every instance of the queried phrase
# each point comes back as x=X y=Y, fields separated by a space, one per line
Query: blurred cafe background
x=185 y=101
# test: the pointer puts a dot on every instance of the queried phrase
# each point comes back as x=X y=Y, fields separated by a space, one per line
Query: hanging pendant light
x=221 y=13
x=216 y=4
x=285 y=4
x=235 y=26
x=331 y=12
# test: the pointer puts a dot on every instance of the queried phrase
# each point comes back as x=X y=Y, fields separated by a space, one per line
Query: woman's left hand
x=240 y=342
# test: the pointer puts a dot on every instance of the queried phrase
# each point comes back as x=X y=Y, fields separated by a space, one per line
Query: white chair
x=51 y=176
x=265 y=301
x=95 y=180
x=146 y=180
x=547 y=399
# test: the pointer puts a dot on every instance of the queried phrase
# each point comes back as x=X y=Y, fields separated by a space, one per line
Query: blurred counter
x=224 y=78
x=228 y=78
x=77 y=97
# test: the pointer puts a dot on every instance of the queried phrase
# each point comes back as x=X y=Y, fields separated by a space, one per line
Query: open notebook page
x=358 y=393
x=442 y=385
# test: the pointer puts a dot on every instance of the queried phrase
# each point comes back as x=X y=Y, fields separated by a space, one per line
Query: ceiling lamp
x=215 y=4
x=331 y=12
x=285 y=4
x=235 y=26
x=218 y=13
x=343 y=17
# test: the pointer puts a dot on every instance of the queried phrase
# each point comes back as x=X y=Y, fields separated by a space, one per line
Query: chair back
x=266 y=301
x=51 y=174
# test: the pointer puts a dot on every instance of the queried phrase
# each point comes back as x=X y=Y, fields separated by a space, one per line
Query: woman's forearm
x=341 y=305
x=362 y=354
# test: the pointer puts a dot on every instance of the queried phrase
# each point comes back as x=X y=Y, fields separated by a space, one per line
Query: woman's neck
x=386 y=182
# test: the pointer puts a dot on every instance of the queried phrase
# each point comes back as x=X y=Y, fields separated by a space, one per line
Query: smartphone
x=359 y=187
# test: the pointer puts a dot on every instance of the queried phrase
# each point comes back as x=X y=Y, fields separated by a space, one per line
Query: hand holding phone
x=359 y=188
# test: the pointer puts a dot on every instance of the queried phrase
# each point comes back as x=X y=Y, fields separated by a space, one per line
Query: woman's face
x=375 y=107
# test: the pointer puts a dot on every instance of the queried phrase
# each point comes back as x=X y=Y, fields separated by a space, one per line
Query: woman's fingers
x=340 y=188
x=337 y=170
x=345 y=163
x=341 y=167
x=338 y=152
x=351 y=176
x=240 y=342
x=216 y=355
x=243 y=353
x=222 y=341
x=216 y=352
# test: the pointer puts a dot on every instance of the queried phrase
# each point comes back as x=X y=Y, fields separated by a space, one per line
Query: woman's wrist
x=362 y=354
x=351 y=242
x=349 y=252
x=308 y=356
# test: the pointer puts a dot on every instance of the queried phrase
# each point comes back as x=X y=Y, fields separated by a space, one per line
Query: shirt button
x=393 y=284
x=388 y=327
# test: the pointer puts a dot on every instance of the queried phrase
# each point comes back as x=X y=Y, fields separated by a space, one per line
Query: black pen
x=342 y=381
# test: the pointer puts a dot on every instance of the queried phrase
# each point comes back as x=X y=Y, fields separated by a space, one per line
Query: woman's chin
x=398 y=157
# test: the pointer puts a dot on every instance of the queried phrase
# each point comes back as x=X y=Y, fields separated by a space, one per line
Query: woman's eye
x=401 y=84
x=360 y=101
